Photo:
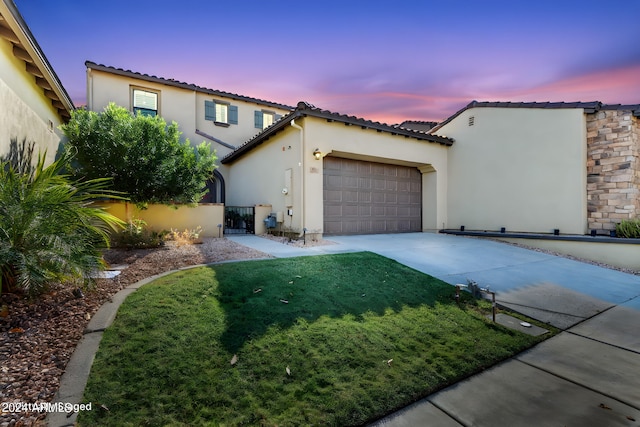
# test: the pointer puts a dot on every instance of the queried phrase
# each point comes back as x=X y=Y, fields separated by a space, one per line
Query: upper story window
x=145 y=102
x=221 y=113
x=263 y=118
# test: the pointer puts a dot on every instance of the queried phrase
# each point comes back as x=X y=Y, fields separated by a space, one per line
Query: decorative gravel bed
x=37 y=337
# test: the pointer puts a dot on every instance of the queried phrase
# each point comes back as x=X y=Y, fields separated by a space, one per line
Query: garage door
x=366 y=197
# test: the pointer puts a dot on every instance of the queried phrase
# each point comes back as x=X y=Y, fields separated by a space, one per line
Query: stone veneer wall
x=613 y=168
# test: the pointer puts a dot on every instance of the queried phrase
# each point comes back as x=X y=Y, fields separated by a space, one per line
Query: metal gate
x=239 y=220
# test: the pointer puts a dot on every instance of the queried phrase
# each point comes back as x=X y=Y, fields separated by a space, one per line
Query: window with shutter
x=210 y=110
x=221 y=113
x=264 y=119
x=233 y=114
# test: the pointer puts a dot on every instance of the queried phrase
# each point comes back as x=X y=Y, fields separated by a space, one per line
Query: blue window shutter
x=209 y=110
x=277 y=117
x=233 y=114
x=257 y=119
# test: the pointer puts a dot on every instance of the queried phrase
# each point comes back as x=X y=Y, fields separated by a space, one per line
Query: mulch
x=38 y=336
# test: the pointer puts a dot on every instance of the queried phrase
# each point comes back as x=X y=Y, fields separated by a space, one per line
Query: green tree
x=49 y=229
x=143 y=155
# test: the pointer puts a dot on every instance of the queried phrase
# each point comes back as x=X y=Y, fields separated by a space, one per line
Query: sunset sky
x=381 y=60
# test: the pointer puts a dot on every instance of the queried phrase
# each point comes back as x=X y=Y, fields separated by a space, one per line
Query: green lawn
x=334 y=321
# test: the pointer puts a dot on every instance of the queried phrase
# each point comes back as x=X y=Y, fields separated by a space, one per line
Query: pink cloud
x=618 y=86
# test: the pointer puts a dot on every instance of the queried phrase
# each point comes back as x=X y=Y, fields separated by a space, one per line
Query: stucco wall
x=260 y=175
x=518 y=168
x=624 y=255
x=162 y=217
x=184 y=106
x=25 y=111
x=174 y=104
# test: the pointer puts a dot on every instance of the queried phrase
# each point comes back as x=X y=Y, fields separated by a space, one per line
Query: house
x=226 y=120
x=334 y=174
x=533 y=167
x=539 y=167
x=33 y=102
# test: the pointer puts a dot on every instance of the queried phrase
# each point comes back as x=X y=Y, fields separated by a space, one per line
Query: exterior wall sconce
x=317 y=154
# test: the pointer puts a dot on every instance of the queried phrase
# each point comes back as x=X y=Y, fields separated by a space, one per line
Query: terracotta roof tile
x=184 y=85
x=589 y=107
x=304 y=109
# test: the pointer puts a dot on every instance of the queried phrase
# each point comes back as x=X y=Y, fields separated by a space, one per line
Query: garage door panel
x=379 y=184
x=333 y=196
x=391 y=198
x=332 y=212
x=377 y=169
x=350 y=196
x=364 y=168
x=331 y=181
x=364 y=197
x=367 y=197
x=364 y=183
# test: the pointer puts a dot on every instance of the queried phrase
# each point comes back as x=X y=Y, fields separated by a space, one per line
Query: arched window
x=215 y=185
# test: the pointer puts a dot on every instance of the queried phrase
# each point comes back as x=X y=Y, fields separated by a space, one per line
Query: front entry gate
x=239 y=220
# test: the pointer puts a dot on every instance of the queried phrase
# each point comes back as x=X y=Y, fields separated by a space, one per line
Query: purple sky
x=381 y=60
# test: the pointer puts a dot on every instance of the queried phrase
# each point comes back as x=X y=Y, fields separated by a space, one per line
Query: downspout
x=302 y=168
x=89 y=90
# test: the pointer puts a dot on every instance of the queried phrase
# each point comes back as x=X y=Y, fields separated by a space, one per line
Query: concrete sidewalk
x=588 y=375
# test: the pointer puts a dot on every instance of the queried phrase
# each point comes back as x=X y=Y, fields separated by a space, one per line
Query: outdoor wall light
x=317 y=154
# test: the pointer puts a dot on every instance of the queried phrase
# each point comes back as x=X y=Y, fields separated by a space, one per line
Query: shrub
x=186 y=237
x=136 y=235
x=144 y=155
x=49 y=230
x=628 y=228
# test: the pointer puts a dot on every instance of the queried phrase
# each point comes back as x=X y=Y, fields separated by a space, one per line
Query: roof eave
x=183 y=85
x=28 y=50
x=260 y=138
x=303 y=111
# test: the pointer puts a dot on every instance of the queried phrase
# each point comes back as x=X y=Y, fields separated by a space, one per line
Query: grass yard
x=311 y=338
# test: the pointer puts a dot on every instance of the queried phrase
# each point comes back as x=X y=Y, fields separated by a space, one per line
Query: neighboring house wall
x=32 y=101
x=259 y=176
x=518 y=168
x=613 y=168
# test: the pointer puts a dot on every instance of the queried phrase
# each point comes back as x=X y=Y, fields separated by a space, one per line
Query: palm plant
x=49 y=230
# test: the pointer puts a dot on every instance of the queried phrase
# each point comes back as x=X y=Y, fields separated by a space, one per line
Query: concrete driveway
x=588 y=375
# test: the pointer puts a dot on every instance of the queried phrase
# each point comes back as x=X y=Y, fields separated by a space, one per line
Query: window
x=221 y=113
x=145 y=102
x=263 y=119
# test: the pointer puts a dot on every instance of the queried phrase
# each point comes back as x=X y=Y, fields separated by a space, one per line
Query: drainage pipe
x=302 y=168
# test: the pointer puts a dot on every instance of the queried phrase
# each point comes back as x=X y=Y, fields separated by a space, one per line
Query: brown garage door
x=365 y=197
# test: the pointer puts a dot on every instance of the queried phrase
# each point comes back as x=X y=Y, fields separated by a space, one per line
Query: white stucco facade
x=179 y=102
x=261 y=175
x=523 y=169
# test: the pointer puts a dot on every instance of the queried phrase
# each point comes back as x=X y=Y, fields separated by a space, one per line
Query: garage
x=361 y=197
